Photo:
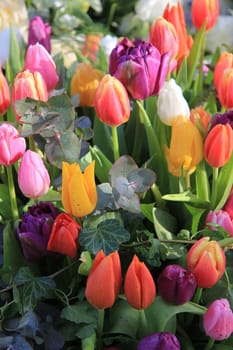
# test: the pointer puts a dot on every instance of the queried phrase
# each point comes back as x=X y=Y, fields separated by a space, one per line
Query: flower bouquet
x=116 y=174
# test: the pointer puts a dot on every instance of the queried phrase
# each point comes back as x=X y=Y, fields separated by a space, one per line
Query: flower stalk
x=11 y=187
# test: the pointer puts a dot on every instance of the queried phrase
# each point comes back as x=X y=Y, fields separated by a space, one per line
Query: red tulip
x=204 y=10
x=224 y=62
x=225 y=89
x=4 y=93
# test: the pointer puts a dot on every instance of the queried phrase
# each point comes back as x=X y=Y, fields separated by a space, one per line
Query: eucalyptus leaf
x=142 y=179
x=121 y=168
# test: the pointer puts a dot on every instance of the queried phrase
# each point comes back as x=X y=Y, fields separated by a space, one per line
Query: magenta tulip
x=221 y=218
x=33 y=177
x=12 y=146
x=39 y=32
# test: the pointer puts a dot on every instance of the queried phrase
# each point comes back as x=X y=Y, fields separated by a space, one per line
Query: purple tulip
x=218 y=320
x=176 y=285
x=159 y=341
x=221 y=218
x=35 y=228
x=39 y=32
x=224 y=118
x=140 y=67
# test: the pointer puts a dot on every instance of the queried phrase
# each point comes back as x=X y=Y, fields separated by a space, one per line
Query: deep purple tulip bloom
x=223 y=118
x=159 y=341
x=35 y=228
x=139 y=66
x=39 y=32
x=176 y=285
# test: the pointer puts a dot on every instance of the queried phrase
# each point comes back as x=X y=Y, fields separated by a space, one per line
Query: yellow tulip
x=79 y=195
x=186 y=147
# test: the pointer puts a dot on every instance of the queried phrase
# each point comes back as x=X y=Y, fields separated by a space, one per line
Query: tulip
x=224 y=62
x=34 y=230
x=4 y=93
x=207 y=261
x=139 y=286
x=39 y=32
x=200 y=118
x=79 y=195
x=204 y=11
x=39 y=60
x=111 y=101
x=218 y=145
x=228 y=207
x=12 y=146
x=104 y=280
x=27 y=84
x=176 y=285
x=84 y=83
x=183 y=157
x=91 y=46
x=159 y=341
x=171 y=103
x=225 y=89
x=33 y=177
x=220 y=218
x=222 y=118
x=64 y=236
x=218 y=320
x=140 y=67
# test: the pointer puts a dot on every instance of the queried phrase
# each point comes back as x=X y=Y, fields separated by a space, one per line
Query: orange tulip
x=4 y=93
x=91 y=46
x=200 y=118
x=104 y=280
x=204 y=10
x=112 y=101
x=225 y=89
x=224 y=62
x=84 y=83
x=64 y=235
x=218 y=145
x=207 y=261
x=139 y=285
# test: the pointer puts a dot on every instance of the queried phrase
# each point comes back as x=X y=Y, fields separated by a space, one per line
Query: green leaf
x=5 y=205
x=102 y=164
x=79 y=313
x=15 y=57
x=188 y=197
x=147 y=210
x=107 y=236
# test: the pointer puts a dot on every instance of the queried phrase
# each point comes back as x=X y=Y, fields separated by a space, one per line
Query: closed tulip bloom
x=224 y=62
x=218 y=320
x=183 y=157
x=64 y=235
x=139 y=286
x=104 y=280
x=79 y=195
x=176 y=285
x=207 y=261
x=39 y=60
x=39 y=32
x=218 y=145
x=171 y=103
x=140 y=67
x=33 y=177
x=204 y=10
x=159 y=341
x=111 y=101
x=225 y=89
x=27 y=84
x=91 y=46
x=4 y=93
x=228 y=207
x=12 y=146
x=201 y=118
x=220 y=218
x=84 y=83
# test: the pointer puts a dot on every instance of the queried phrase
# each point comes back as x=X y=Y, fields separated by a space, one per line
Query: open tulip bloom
x=116 y=177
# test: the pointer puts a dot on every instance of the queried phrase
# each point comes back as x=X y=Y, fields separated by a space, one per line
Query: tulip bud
x=159 y=341
x=64 y=235
x=12 y=146
x=218 y=320
x=104 y=280
x=118 y=111
x=33 y=177
x=220 y=218
x=140 y=67
x=4 y=93
x=171 y=103
x=200 y=118
x=220 y=137
x=139 y=285
x=39 y=60
x=176 y=285
x=39 y=32
x=91 y=46
x=84 y=83
x=204 y=10
x=79 y=195
x=207 y=261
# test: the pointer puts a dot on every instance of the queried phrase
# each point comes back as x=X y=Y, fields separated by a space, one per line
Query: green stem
x=100 y=327
x=142 y=326
x=197 y=295
x=210 y=344
x=32 y=144
x=214 y=187
x=116 y=151
x=11 y=187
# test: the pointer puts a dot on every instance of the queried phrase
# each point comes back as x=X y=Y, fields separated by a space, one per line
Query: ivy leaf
x=80 y=312
x=107 y=236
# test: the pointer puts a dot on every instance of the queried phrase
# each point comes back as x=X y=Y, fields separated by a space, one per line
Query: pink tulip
x=38 y=59
x=221 y=218
x=40 y=32
x=12 y=146
x=33 y=177
x=228 y=207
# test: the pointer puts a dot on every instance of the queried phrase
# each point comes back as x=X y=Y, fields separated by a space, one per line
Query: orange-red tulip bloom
x=224 y=62
x=139 y=285
x=207 y=261
x=104 y=280
x=4 y=93
x=204 y=10
x=225 y=89
x=200 y=118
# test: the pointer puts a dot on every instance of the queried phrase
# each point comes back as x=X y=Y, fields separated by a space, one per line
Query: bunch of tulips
x=116 y=191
